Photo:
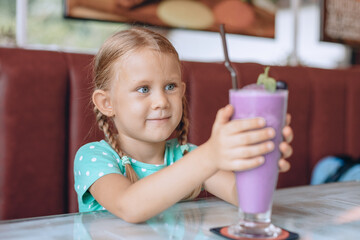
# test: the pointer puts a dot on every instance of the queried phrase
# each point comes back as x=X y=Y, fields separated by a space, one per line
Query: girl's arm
x=149 y=196
x=227 y=149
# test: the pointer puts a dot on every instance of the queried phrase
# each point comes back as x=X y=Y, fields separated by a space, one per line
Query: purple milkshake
x=255 y=187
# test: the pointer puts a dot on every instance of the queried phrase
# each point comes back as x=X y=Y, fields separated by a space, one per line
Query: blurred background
x=41 y=24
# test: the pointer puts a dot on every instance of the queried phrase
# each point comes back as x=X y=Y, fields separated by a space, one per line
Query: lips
x=159 y=118
x=158 y=121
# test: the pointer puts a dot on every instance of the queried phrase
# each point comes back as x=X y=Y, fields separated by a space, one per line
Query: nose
x=159 y=100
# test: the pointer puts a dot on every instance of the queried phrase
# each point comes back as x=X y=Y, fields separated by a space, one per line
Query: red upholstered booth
x=46 y=115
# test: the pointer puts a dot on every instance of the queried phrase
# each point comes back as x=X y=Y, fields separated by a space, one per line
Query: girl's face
x=146 y=95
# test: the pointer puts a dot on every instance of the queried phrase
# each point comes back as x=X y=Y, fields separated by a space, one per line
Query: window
x=48 y=29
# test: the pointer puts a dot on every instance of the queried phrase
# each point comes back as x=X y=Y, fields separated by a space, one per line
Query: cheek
x=126 y=108
x=134 y=110
x=179 y=109
x=130 y=116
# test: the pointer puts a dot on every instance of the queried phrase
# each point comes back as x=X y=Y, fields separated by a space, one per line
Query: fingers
x=241 y=125
x=246 y=164
x=288 y=119
x=285 y=149
x=252 y=137
x=244 y=142
x=251 y=151
x=287 y=130
x=251 y=159
x=284 y=165
x=246 y=157
x=288 y=134
x=224 y=114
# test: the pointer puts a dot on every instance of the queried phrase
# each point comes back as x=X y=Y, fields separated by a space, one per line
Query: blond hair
x=115 y=48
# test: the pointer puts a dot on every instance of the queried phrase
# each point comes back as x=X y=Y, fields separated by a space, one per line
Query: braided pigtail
x=130 y=173
x=183 y=128
x=181 y=132
x=104 y=125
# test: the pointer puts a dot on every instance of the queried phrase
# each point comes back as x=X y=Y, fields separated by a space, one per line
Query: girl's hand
x=285 y=147
x=239 y=144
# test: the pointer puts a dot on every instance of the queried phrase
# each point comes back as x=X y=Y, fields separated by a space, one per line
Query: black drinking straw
x=227 y=61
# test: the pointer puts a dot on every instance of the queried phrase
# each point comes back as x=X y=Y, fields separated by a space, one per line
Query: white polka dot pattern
x=98 y=159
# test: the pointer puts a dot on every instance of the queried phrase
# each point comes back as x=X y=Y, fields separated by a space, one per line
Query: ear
x=183 y=88
x=101 y=99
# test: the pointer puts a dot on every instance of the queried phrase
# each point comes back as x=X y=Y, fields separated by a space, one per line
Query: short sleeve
x=92 y=161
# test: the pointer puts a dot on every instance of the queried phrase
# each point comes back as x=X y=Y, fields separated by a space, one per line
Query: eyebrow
x=140 y=82
x=174 y=78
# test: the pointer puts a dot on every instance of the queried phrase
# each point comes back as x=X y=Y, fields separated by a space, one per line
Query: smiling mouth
x=159 y=119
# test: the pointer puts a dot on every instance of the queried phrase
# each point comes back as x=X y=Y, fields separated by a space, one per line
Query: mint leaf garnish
x=268 y=82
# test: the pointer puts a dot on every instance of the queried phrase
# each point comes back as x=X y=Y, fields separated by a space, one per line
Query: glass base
x=254 y=226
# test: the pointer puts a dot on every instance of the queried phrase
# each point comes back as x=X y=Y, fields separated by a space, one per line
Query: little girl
x=139 y=98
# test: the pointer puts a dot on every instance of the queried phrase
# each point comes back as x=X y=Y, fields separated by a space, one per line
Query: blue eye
x=170 y=86
x=143 y=90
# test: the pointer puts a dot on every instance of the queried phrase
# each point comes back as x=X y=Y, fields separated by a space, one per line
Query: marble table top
x=328 y=211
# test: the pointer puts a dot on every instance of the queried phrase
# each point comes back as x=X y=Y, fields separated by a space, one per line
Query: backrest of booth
x=46 y=115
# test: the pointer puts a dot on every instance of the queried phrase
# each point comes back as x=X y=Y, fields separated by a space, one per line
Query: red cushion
x=33 y=139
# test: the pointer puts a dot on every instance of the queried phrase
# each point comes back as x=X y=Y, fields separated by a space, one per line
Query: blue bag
x=336 y=169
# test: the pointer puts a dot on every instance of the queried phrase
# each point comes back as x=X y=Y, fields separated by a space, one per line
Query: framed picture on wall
x=340 y=21
x=247 y=17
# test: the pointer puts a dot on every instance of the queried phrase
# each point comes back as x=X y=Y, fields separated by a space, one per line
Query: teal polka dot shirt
x=97 y=159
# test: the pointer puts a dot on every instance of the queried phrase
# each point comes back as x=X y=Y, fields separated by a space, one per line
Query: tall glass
x=255 y=187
